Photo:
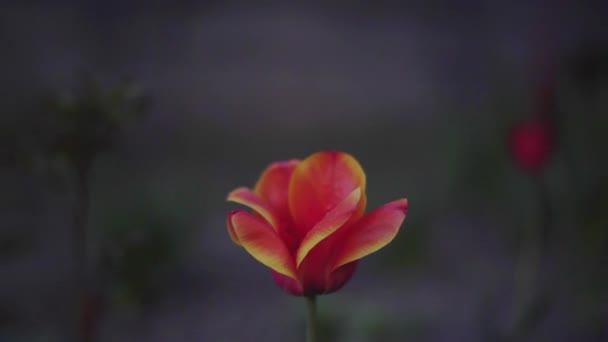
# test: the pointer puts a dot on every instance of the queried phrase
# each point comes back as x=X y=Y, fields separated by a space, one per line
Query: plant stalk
x=311 y=319
x=84 y=325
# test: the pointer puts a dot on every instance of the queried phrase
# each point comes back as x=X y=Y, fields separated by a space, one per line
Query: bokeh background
x=125 y=124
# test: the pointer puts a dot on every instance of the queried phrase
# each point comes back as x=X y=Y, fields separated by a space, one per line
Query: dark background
x=422 y=94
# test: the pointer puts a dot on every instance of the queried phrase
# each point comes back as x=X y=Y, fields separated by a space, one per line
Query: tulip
x=308 y=224
x=531 y=144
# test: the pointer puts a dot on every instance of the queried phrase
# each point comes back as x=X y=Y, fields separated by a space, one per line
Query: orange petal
x=374 y=231
x=319 y=183
x=248 y=198
x=262 y=242
x=332 y=221
x=273 y=186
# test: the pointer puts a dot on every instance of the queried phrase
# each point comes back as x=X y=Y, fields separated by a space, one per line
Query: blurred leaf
x=488 y=318
x=89 y=119
x=410 y=248
x=531 y=318
x=329 y=326
x=15 y=245
x=139 y=248
x=589 y=68
x=595 y=226
x=408 y=329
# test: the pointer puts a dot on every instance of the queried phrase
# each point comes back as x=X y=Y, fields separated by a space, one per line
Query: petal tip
x=259 y=239
x=403 y=204
x=234 y=193
x=373 y=232
x=248 y=198
x=230 y=226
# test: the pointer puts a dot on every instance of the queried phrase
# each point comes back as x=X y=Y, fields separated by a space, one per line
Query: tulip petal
x=248 y=198
x=319 y=183
x=273 y=186
x=316 y=274
x=332 y=221
x=231 y=231
x=340 y=276
x=287 y=284
x=262 y=242
x=374 y=231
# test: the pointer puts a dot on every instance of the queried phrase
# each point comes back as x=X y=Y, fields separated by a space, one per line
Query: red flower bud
x=531 y=144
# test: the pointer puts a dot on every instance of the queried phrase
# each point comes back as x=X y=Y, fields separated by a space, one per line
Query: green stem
x=311 y=319
x=530 y=261
x=85 y=321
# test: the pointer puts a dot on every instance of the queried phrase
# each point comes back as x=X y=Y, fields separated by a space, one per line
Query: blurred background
x=124 y=125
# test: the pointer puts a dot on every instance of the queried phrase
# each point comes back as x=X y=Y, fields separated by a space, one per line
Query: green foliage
x=408 y=251
x=139 y=249
x=88 y=120
x=329 y=326
x=595 y=225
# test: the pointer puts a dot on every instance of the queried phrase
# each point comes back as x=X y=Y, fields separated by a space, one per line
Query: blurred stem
x=311 y=319
x=530 y=260
x=83 y=330
x=545 y=209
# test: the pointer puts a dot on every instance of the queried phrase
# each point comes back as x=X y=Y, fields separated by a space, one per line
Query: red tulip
x=531 y=144
x=308 y=224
